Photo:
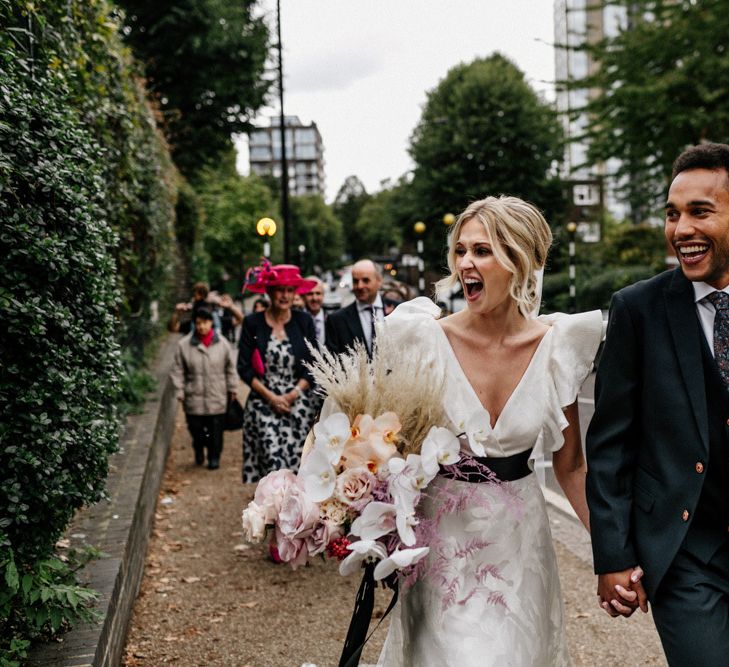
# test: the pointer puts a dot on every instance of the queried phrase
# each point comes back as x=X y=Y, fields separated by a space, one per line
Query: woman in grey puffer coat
x=204 y=375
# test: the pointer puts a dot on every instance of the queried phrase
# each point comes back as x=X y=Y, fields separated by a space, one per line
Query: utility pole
x=284 y=162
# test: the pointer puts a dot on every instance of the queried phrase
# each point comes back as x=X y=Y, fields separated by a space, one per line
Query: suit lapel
x=354 y=323
x=686 y=334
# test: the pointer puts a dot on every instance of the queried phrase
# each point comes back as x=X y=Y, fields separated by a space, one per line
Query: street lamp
x=302 y=252
x=419 y=229
x=571 y=229
x=266 y=227
x=449 y=219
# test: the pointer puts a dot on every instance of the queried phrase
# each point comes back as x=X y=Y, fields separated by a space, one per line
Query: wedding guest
x=259 y=305
x=271 y=356
x=392 y=296
x=204 y=377
x=356 y=322
x=182 y=319
x=314 y=300
x=658 y=444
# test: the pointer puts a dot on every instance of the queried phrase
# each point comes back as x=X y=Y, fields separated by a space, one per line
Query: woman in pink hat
x=272 y=353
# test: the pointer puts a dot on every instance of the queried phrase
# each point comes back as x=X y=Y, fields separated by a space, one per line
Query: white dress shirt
x=705 y=310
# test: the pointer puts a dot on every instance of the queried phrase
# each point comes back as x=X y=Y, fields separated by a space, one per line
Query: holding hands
x=621 y=593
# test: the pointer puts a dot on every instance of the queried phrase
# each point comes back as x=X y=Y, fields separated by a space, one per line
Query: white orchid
x=440 y=447
x=318 y=475
x=405 y=521
x=362 y=551
x=406 y=480
x=479 y=432
x=331 y=434
x=377 y=519
x=398 y=560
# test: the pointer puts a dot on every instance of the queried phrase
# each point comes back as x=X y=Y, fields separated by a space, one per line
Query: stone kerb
x=120 y=527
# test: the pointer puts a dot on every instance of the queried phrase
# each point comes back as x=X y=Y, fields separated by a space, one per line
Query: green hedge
x=87 y=199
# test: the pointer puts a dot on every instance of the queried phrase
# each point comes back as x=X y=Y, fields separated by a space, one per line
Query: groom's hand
x=621 y=593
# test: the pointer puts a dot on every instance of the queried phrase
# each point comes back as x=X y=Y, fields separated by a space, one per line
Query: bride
x=489 y=593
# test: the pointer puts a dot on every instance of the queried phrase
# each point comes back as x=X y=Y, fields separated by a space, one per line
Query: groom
x=658 y=444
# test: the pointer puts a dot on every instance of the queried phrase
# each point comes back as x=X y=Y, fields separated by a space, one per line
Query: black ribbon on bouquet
x=364 y=604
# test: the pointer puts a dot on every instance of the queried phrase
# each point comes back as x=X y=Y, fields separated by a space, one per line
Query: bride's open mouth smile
x=472 y=288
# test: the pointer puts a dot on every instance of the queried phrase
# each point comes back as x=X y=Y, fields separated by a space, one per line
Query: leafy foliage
x=314 y=225
x=660 y=86
x=232 y=205
x=348 y=203
x=483 y=131
x=87 y=194
x=41 y=600
x=204 y=60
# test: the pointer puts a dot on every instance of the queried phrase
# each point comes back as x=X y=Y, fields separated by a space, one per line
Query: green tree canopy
x=484 y=131
x=660 y=87
x=314 y=225
x=232 y=204
x=348 y=203
x=204 y=60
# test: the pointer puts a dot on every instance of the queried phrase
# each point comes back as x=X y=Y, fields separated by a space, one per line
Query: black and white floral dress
x=273 y=441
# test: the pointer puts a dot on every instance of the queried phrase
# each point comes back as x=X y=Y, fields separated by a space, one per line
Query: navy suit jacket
x=343 y=327
x=650 y=428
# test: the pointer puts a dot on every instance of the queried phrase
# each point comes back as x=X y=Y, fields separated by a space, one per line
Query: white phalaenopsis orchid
x=406 y=521
x=362 y=551
x=331 y=435
x=407 y=479
x=440 y=447
x=377 y=519
x=479 y=432
x=398 y=560
x=319 y=476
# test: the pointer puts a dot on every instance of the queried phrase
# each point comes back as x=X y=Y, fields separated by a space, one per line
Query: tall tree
x=348 y=204
x=204 y=60
x=314 y=226
x=661 y=85
x=232 y=204
x=483 y=131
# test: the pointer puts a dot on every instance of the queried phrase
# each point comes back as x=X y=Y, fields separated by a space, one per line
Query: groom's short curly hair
x=703 y=156
x=520 y=238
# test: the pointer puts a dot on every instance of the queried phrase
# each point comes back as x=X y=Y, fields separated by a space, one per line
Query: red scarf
x=206 y=340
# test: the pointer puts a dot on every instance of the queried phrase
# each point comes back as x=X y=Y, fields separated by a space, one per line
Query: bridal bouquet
x=360 y=482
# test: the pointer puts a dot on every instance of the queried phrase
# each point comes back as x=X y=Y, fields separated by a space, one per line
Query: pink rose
x=298 y=514
x=291 y=550
x=355 y=484
x=271 y=490
x=324 y=532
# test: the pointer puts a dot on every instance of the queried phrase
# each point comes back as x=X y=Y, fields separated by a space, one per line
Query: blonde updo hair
x=520 y=238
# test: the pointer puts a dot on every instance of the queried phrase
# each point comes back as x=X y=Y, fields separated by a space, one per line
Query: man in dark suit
x=314 y=300
x=357 y=320
x=658 y=444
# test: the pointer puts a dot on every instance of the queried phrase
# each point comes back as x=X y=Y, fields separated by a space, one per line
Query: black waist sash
x=478 y=469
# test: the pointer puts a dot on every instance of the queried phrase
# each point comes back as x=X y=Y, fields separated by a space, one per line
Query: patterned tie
x=317 y=327
x=720 y=300
x=371 y=311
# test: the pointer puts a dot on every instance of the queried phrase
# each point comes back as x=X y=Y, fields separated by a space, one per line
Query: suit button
x=685 y=515
x=699 y=467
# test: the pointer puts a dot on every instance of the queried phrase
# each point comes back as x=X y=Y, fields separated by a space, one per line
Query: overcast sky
x=361 y=69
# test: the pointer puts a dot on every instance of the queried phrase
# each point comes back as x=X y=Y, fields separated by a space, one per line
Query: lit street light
x=449 y=219
x=266 y=227
x=419 y=229
x=302 y=254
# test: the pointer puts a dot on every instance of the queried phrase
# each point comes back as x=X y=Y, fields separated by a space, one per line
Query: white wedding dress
x=490 y=594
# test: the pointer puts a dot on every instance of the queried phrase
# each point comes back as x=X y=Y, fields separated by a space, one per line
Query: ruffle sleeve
x=410 y=321
x=575 y=339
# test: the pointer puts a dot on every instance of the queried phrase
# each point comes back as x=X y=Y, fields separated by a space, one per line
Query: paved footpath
x=209 y=600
